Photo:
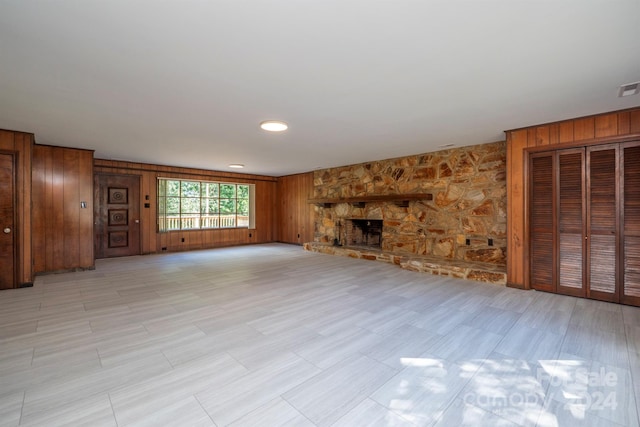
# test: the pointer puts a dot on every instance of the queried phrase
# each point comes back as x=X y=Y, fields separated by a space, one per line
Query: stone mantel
x=399 y=199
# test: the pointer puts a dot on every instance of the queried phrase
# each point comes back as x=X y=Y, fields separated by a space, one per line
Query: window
x=192 y=205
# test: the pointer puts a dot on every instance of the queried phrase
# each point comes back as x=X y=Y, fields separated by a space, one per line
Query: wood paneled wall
x=152 y=241
x=614 y=126
x=62 y=230
x=21 y=144
x=295 y=214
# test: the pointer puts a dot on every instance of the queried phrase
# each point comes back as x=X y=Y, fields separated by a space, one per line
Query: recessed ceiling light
x=629 y=89
x=236 y=166
x=274 y=125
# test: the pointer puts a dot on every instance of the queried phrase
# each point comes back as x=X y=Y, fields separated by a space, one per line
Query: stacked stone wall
x=469 y=202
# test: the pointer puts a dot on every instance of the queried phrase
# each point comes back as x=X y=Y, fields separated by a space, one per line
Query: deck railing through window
x=190 y=222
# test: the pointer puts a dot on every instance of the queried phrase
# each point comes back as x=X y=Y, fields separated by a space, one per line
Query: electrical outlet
x=467 y=242
x=490 y=242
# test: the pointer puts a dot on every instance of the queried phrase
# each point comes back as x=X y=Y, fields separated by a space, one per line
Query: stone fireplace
x=443 y=212
x=463 y=219
x=363 y=232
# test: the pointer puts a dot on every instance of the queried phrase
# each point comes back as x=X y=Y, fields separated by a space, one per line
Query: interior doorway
x=7 y=221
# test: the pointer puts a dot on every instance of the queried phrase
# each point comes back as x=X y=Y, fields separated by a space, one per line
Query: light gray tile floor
x=270 y=335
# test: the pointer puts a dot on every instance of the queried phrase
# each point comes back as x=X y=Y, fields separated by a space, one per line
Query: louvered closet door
x=631 y=224
x=541 y=222
x=571 y=220
x=602 y=222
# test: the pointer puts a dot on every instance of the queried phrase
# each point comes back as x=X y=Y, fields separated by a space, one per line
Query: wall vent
x=629 y=89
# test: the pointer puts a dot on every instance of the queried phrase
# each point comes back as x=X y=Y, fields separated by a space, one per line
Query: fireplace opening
x=363 y=232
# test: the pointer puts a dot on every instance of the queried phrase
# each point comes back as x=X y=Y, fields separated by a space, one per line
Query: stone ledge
x=482 y=272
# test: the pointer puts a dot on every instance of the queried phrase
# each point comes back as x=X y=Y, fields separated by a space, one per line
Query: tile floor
x=270 y=335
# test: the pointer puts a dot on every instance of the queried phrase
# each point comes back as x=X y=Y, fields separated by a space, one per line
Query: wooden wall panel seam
x=64 y=230
x=295 y=215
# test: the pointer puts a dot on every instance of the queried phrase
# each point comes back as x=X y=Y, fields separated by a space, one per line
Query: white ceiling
x=186 y=82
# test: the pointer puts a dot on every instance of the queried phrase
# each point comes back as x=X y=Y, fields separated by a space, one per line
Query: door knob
x=7 y=230
x=137 y=221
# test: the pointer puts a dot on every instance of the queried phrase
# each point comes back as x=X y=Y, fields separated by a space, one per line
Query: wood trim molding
x=173 y=171
x=584 y=143
x=633 y=111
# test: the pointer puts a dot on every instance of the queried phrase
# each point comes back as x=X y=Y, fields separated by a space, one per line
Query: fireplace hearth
x=363 y=232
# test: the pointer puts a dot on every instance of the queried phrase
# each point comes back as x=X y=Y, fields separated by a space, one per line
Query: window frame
x=194 y=194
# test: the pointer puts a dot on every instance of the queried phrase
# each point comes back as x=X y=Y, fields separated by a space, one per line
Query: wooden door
x=571 y=222
x=117 y=215
x=542 y=206
x=602 y=223
x=7 y=222
x=584 y=222
x=630 y=244
x=557 y=218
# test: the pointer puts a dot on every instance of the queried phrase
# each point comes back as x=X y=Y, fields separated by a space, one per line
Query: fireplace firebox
x=363 y=232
